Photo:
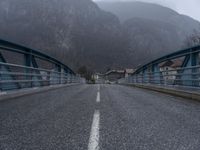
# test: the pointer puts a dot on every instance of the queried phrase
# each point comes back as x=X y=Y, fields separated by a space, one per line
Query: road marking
x=94 y=134
x=98 y=97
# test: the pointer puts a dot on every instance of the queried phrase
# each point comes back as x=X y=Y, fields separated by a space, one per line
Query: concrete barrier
x=30 y=91
x=167 y=90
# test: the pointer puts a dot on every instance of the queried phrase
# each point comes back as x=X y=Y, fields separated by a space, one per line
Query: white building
x=169 y=70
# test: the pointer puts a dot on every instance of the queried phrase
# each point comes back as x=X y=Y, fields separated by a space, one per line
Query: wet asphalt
x=130 y=119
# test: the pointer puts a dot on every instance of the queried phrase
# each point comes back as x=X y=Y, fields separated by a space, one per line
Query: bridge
x=45 y=105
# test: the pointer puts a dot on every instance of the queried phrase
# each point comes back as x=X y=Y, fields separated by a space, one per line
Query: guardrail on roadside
x=181 y=68
x=22 y=67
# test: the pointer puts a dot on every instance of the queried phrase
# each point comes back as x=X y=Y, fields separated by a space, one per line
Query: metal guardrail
x=14 y=76
x=187 y=74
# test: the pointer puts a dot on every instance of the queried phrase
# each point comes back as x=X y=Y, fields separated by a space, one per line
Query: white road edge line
x=94 y=134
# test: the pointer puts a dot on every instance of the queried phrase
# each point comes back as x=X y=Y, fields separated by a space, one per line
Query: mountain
x=149 y=39
x=152 y=30
x=128 y=10
x=79 y=33
x=76 y=32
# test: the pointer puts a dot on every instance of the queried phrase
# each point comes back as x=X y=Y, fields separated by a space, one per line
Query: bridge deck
x=125 y=119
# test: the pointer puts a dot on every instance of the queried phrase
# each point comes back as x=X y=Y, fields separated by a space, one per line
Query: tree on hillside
x=85 y=73
x=193 y=39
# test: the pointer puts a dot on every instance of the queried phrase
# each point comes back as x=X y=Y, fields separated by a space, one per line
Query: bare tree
x=193 y=39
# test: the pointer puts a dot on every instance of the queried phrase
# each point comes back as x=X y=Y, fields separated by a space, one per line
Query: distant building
x=115 y=75
x=169 y=70
x=99 y=78
x=129 y=72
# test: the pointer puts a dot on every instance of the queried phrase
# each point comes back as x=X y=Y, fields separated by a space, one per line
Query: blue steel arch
x=180 y=53
x=32 y=75
x=188 y=74
x=10 y=46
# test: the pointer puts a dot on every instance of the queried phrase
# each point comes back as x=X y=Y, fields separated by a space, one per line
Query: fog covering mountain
x=152 y=30
x=79 y=33
x=74 y=31
x=128 y=10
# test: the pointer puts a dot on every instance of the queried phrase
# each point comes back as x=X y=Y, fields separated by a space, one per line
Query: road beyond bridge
x=99 y=117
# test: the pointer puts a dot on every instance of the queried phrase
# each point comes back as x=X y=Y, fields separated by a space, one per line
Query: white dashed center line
x=94 y=134
x=98 y=97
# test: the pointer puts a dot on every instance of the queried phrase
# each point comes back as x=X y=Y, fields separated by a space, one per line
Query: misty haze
x=99 y=74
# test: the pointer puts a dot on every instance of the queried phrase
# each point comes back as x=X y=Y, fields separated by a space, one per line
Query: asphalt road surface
x=99 y=117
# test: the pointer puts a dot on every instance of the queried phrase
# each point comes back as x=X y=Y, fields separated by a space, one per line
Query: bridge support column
x=156 y=74
x=36 y=80
x=68 y=76
x=140 y=77
x=145 y=76
x=58 y=74
x=62 y=76
x=189 y=77
x=6 y=76
x=28 y=63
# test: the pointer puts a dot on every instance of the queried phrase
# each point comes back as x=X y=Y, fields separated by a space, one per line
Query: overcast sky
x=187 y=7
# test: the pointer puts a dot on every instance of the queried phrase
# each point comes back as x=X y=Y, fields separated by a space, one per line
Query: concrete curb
x=25 y=92
x=175 y=92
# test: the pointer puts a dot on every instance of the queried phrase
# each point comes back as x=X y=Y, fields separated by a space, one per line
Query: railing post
x=58 y=74
x=195 y=62
x=65 y=75
x=156 y=74
x=188 y=78
x=61 y=75
x=5 y=76
x=145 y=75
x=68 y=77
x=28 y=63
